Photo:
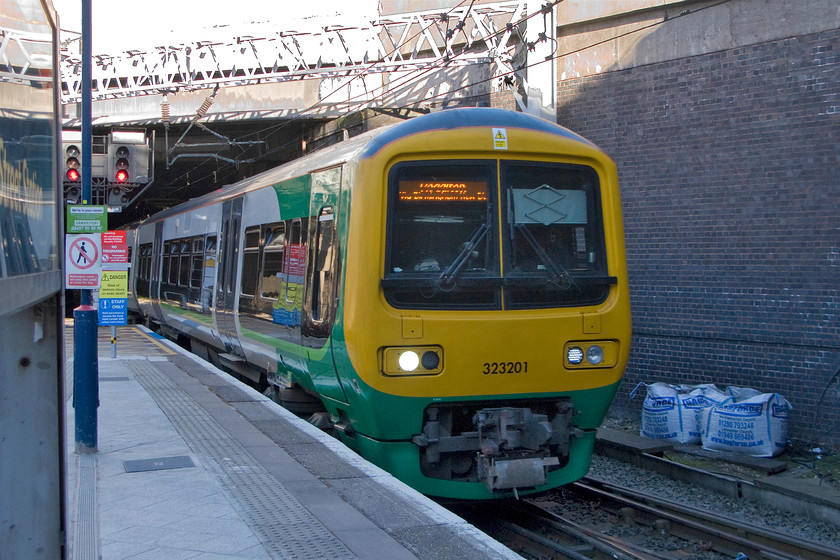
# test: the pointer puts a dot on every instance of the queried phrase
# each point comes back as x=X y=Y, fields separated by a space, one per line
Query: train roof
x=369 y=143
x=468 y=118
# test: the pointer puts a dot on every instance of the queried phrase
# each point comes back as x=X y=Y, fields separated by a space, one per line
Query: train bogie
x=452 y=289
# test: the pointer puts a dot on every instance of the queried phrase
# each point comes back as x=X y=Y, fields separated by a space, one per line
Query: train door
x=320 y=298
x=157 y=262
x=228 y=251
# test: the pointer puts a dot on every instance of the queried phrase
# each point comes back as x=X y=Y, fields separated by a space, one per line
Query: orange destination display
x=432 y=191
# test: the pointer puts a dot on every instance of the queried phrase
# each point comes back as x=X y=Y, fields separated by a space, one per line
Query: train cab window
x=484 y=234
x=210 y=246
x=554 y=243
x=271 y=281
x=442 y=248
x=250 y=262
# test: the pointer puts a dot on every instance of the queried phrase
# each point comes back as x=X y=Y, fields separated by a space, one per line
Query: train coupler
x=510 y=474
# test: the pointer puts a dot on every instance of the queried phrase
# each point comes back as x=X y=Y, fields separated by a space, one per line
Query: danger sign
x=82 y=260
x=500 y=140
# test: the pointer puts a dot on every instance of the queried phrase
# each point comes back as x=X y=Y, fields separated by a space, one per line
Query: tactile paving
x=285 y=527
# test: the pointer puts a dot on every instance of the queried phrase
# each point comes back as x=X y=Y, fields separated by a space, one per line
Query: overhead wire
x=443 y=63
x=273 y=129
x=403 y=81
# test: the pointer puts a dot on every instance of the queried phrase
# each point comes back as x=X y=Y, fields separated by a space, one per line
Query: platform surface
x=191 y=464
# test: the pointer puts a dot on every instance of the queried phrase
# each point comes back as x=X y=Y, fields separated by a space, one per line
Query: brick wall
x=730 y=171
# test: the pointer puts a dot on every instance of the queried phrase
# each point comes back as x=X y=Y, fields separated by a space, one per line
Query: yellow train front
x=483 y=322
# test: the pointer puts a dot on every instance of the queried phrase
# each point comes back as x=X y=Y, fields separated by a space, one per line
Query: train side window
x=210 y=261
x=271 y=274
x=197 y=262
x=322 y=281
x=295 y=262
x=174 y=252
x=144 y=261
x=184 y=271
x=250 y=262
x=149 y=257
x=165 y=272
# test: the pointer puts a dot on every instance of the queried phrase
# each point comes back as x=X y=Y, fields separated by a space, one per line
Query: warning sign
x=82 y=260
x=114 y=251
x=500 y=139
x=114 y=284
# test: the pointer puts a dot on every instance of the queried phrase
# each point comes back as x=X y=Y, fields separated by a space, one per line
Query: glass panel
x=28 y=182
x=250 y=262
x=324 y=252
x=184 y=271
x=197 y=271
x=273 y=257
x=252 y=238
x=441 y=230
x=165 y=272
x=554 y=235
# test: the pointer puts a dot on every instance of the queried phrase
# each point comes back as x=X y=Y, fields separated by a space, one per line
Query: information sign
x=113 y=311
x=87 y=219
x=82 y=261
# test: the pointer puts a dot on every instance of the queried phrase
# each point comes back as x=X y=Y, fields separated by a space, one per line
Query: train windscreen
x=487 y=234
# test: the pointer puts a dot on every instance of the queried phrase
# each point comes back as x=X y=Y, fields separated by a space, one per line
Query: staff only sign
x=83 y=260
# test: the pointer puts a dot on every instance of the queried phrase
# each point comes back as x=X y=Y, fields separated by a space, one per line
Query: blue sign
x=113 y=311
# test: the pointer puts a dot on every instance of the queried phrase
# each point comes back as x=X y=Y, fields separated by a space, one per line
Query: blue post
x=85 y=376
x=85 y=358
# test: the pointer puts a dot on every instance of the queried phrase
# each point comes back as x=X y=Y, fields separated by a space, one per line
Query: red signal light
x=73 y=174
x=121 y=175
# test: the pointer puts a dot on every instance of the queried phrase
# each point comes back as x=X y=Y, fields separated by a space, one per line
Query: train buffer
x=192 y=462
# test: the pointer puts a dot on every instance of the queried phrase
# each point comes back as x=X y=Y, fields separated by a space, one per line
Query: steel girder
x=401 y=44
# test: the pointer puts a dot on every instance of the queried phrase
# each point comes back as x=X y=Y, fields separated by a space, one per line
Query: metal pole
x=85 y=359
x=113 y=341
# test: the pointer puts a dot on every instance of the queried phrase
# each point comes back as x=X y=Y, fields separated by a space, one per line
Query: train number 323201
x=493 y=368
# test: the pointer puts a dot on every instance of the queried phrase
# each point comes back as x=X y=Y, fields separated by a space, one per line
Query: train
x=448 y=295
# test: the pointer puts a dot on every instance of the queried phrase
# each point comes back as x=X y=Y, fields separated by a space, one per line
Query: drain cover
x=159 y=464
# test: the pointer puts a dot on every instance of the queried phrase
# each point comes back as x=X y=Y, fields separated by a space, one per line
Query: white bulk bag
x=672 y=413
x=754 y=426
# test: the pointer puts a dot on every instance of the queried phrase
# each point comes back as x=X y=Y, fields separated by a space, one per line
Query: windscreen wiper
x=559 y=275
x=456 y=265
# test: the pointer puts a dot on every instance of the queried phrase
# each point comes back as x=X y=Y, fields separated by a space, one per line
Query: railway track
x=591 y=520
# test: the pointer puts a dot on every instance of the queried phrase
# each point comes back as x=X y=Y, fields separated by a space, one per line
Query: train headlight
x=591 y=354
x=411 y=360
x=430 y=360
x=594 y=354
